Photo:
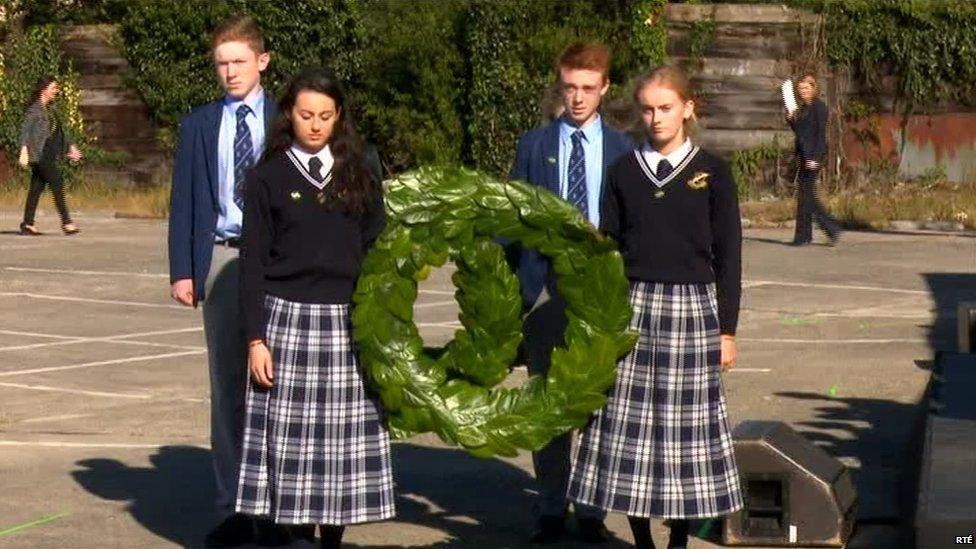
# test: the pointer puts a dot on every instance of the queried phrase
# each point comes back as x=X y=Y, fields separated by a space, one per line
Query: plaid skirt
x=661 y=446
x=316 y=450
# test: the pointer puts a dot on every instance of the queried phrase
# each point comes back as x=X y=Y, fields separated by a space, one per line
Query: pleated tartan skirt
x=661 y=446
x=316 y=450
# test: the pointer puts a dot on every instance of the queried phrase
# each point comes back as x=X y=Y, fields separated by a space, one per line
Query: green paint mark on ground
x=798 y=321
x=832 y=391
x=31 y=524
x=704 y=529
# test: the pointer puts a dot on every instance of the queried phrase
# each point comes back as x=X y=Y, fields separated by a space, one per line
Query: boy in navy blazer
x=569 y=157
x=218 y=143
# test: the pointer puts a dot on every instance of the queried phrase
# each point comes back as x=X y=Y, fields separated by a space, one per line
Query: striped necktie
x=576 y=187
x=243 y=154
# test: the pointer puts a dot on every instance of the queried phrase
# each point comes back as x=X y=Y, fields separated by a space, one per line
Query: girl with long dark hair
x=43 y=142
x=661 y=447
x=316 y=450
x=809 y=123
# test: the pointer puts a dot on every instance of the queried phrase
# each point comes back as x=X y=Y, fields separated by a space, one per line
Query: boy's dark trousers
x=810 y=209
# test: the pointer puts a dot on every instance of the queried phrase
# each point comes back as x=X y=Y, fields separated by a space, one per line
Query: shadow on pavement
x=473 y=502
x=884 y=436
x=174 y=498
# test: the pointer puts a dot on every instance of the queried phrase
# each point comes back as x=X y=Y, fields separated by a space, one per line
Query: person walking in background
x=661 y=447
x=569 y=157
x=809 y=123
x=316 y=449
x=218 y=143
x=43 y=142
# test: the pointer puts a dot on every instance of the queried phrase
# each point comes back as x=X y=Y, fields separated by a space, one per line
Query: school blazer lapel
x=270 y=113
x=550 y=156
x=211 y=134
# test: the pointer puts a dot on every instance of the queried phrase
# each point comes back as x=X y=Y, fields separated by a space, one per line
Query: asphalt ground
x=104 y=392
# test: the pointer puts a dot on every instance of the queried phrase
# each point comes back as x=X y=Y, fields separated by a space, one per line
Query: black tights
x=46 y=173
x=331 y=536
x=641 y=528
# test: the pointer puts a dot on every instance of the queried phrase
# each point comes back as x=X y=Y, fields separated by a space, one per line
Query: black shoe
x=236 y=530
x=269 y=534
x=592 y=530
x=549 y=530
x=833 y=238
x=800 y=242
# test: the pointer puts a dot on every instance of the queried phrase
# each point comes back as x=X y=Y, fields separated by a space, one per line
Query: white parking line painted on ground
x=47 y=389
x=120 y=338
x=831 y=341
x=35 y=334
x=449 y=324
x=83 y=273
x=91 y=300
x=61 y=417
x=433 y=304
x=756 y=283
x=66 y=444
x=749 y=370
x=436 y=292
x=99 y=363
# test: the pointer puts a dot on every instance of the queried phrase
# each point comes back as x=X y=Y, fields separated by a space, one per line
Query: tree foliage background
x=456 y=81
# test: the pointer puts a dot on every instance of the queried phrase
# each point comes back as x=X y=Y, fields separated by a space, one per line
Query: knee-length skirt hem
x=661 y=447
x=316 y=450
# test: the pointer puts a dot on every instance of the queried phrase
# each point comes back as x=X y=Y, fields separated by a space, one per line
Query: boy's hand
x=182 y=291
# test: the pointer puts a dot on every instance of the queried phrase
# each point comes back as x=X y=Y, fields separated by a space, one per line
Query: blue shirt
x=229 y=216
x=592 y=156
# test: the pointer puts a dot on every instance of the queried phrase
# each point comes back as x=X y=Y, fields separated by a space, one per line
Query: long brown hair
x=352 y=183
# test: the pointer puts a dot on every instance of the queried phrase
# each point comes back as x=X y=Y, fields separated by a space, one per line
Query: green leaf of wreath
x=441 y=213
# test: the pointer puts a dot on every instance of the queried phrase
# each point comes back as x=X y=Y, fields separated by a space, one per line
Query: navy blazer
x=536 y=161
x=194 y=199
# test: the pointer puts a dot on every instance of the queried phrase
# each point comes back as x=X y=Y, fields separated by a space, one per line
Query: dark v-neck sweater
x=296 y=247
x=686 y=230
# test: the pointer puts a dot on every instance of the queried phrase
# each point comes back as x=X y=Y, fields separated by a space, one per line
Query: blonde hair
x=675 y=79
x=811 y=79
x=239 y=28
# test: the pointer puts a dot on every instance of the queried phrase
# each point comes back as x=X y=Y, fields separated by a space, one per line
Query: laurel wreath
x=436 y=214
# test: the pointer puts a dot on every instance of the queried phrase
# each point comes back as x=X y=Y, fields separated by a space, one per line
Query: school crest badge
x=698 y=181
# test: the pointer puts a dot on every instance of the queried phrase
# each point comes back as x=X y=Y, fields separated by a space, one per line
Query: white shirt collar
x=591 y=132
x=653 y=157
x=324 y=154
x=254 y=100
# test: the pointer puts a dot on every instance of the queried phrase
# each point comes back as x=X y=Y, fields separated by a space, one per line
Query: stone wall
x=115 y=116
x=755 y=47
x=739 y=72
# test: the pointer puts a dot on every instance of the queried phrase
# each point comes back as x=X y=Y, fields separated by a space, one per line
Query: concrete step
x=723 y=13
x=722 y=67
x=100 y=81
x=110 y=97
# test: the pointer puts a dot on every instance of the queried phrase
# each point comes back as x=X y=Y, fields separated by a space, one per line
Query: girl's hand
x=259 y=362
x=74 y=154
x=728 y=352
x=812 y=164
x=24 y=159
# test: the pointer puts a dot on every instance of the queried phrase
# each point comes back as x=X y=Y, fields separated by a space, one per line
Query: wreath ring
x=436 y=214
